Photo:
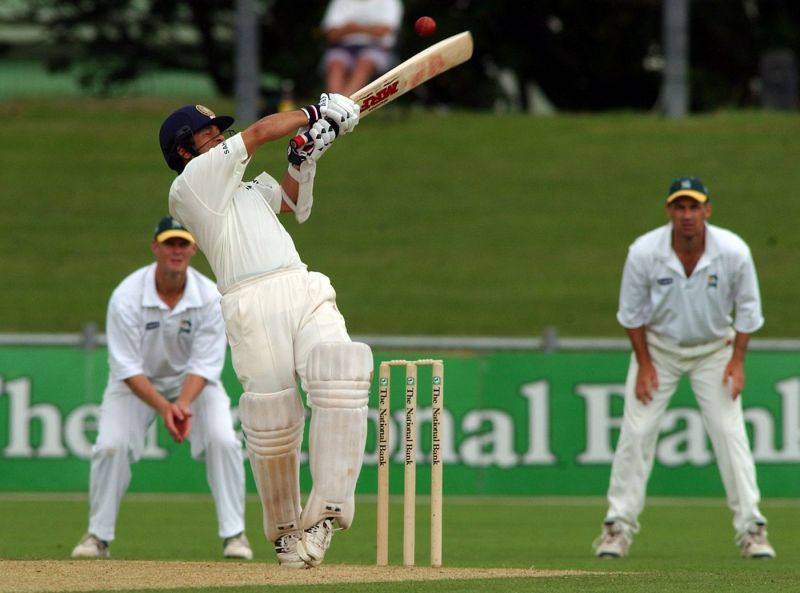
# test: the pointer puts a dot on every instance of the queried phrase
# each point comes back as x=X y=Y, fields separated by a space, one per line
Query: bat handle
x=302 y=139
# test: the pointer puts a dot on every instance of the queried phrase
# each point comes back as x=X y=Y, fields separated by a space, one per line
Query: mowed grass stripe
x=479 y=224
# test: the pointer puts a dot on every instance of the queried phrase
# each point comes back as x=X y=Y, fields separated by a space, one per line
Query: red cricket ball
x=425 y=26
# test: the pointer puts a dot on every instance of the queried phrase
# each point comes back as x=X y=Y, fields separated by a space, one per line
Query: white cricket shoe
x=91 y=546
x=237 y=546
x=316 y=541
x=286 y=550
x=612 y=541
x=754 y=543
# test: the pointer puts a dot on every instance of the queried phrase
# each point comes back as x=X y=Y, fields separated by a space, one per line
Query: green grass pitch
x=685 y=545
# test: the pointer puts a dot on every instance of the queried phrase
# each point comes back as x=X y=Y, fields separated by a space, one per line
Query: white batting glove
x=322 y=136
x=343 y=111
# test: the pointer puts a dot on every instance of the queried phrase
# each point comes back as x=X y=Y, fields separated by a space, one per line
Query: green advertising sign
x=514 y=423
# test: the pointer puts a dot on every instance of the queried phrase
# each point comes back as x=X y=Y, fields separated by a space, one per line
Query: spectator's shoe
x=612 y=541
x=237 y=546
x=754 y=543
x=91 y=546
x=315 y=542
x=286 y=550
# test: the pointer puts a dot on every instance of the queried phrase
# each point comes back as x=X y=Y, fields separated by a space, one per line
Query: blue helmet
x=179 y=128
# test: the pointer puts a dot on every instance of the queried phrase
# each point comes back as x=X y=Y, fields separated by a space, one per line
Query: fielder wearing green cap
x=687 y=186
x=689 y=301
x=166 y=351
x=281 y=319
x=169 y=228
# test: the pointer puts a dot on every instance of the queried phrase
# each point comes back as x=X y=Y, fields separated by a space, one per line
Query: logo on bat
x=379 y=96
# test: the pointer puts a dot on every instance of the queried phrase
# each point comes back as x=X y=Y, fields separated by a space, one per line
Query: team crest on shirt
x=712 y=280
x=185 y=326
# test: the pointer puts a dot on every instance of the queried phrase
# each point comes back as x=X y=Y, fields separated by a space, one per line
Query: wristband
x=312 y=113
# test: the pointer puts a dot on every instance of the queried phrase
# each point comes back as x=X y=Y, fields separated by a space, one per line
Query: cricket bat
x=416 y=70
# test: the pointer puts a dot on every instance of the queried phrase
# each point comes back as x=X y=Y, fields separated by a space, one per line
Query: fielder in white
x=166 y=350
x=680 y=287
x=281 y=320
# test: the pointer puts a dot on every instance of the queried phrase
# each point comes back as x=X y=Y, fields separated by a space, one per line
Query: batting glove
x=322 y=136
x=340 y=110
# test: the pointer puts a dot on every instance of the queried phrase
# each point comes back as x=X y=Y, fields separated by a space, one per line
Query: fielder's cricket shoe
x=754 y=543
x=91 y=546
x=316 y=541
x=237 y=546
x=612 y=541
x=286 y=550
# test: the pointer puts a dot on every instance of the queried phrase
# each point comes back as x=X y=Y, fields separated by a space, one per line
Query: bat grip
x=302 y=139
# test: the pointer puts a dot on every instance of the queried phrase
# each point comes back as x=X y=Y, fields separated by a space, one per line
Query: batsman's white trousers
x=722 y=418
x=124 y=421
x=273 y=322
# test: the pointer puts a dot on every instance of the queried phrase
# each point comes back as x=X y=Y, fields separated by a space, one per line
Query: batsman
x=281 y=319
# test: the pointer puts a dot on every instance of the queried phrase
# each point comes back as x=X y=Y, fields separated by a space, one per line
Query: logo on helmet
x=205 y=111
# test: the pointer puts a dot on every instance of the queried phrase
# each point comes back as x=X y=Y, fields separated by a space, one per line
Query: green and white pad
x=338 y=379
x=273 y=427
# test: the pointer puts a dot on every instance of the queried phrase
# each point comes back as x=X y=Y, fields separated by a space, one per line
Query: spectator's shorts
x=348 y=54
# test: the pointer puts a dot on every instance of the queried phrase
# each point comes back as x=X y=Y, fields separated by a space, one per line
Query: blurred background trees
x=582 y=55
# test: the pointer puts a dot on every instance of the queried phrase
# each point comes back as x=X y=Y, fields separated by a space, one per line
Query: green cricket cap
x=691 y=187
x=168 y=228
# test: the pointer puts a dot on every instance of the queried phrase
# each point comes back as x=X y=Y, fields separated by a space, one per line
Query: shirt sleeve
x=747 y=299
x=124 y=335
x=333 y=15
x=394 y=13
x=209 y=344
x=210 y=179
x=634 y=295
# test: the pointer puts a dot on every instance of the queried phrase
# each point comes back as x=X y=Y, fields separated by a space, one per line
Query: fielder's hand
x=178 y=422
x=321 y=135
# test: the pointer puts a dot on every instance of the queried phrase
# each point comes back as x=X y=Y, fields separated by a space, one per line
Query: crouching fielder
x=281 y=320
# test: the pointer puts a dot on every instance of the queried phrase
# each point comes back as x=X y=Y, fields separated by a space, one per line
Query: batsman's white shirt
x=656 y=292
x=146 y=337
x=234 y=223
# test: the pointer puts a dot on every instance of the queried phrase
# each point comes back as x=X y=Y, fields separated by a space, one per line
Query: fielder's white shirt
x=656 y=292
x=234 y=223
x=365 y=12
x=146 y=337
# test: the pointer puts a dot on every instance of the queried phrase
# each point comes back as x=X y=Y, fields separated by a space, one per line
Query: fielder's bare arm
x=281 y=319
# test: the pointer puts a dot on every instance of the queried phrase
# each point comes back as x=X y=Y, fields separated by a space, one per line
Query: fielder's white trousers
x=722 y=418
x=124 y=421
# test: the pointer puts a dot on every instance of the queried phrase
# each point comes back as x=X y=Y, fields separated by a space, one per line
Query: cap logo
x=205 y=111
x=686 y=184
